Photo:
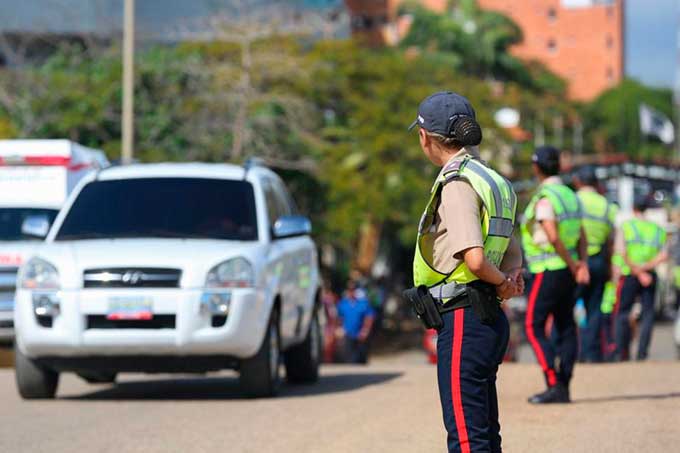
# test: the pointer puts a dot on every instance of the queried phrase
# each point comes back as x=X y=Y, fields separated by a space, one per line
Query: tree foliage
x=613 y=124
x=476 y=42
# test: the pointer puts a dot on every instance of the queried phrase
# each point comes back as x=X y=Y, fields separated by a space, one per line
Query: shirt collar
x=587 y=189
x=551 y=180
x=472 y=151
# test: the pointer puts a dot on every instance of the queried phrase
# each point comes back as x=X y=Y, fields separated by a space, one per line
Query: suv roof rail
x=250 y=163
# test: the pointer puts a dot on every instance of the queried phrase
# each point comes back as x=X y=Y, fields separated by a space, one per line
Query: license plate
x=137 y=308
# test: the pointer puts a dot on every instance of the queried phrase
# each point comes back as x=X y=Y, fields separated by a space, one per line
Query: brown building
x=581 y=40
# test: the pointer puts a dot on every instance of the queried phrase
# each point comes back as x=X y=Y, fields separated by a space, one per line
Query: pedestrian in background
x=466 y=260
x=555 y=248
x=599 y=217
x=641 y=244
x=356 y=316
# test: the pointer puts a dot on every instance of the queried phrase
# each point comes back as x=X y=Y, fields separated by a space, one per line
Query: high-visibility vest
x=565 y=203
x=498 y=219
x=608 y=298
x=598 y=219
x=643 y=239
x=618 y=261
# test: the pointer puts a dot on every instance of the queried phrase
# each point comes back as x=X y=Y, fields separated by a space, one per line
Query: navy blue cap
x=439 y=112
x=546 y=157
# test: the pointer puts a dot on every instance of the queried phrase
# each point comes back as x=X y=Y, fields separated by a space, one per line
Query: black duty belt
x=427 y=302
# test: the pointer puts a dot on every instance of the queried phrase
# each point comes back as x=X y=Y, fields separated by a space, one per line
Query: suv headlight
x=39 y=274
x=233 y=273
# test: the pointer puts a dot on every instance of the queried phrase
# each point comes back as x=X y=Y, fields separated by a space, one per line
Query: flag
x=655 y=123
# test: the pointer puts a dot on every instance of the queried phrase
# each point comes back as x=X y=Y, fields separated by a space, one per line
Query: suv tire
x=303 y=360
x=33 y=380
x=259 y=375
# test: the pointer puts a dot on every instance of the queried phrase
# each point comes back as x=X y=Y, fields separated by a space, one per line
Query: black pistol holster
x=425 y=306
x=484 y=301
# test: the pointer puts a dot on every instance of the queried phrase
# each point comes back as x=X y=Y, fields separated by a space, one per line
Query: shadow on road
x=221 y=388
x=607 y=399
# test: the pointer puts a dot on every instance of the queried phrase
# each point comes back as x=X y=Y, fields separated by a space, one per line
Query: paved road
x=389 y=406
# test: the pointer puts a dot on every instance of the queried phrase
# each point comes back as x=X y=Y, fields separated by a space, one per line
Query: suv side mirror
x=36 y=226
x=290 y=226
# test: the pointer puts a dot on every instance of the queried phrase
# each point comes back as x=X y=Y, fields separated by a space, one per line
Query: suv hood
x=195 y=257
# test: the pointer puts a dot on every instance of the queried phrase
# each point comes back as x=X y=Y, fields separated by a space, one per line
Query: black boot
x=558 y=393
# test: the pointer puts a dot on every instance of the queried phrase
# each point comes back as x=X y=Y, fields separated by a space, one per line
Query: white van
x=36 y=176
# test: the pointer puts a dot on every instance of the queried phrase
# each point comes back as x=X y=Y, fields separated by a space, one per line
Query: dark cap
x=548 y=159
x=586 y=175
x=640 y=202
x=439 y=112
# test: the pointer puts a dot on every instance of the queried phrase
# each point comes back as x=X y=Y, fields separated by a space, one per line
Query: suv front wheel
x=259 y=375
x=33 y=380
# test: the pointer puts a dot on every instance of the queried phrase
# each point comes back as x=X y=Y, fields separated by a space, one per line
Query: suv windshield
x=164 y=208
x=11 y=220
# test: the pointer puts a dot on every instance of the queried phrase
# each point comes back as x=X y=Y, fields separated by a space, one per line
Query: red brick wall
x=583 y=45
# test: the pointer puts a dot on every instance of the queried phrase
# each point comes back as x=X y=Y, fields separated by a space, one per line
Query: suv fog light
x=215 y=303
x=46 y=304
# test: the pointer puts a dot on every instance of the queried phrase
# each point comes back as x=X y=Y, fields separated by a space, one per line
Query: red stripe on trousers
x=458 y=325
x=531 y=336
x=615 y=314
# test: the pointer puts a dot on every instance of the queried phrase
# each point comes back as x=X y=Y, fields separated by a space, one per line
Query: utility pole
x=128 y=81
x=676 y=89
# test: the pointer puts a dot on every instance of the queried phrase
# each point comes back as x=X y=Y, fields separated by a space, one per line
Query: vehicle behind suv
x=171 y=268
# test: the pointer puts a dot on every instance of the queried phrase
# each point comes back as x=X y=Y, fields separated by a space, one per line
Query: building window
x=552 y=14
x=552 y=46
x=610 y=42
x=610 y=12
x=610 y=74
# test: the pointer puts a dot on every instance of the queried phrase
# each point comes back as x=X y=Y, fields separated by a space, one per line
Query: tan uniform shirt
x=457 y=226
x=544 y=211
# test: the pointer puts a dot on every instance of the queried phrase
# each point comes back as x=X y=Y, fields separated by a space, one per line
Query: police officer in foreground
x=555 y=248
x=466 y=262
x=598 y=223
x=641 y=244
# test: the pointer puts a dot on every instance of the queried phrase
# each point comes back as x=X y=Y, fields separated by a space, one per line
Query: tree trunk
x=369 y=240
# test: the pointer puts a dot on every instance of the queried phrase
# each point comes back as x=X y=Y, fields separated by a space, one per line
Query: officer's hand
x=582 y=275
x=518 y=278
x=507 y=289
x=645 y=279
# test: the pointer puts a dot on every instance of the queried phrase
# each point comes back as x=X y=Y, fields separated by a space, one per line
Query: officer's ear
x=425 y=140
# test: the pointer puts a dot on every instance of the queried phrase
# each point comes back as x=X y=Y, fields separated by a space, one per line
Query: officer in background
x=599 y=217
x=641 y=243
x=466 y=261
x=555 y=248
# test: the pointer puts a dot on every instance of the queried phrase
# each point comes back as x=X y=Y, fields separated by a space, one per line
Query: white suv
x=171 y=268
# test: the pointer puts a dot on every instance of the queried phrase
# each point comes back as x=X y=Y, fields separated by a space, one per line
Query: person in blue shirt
x=357 y=317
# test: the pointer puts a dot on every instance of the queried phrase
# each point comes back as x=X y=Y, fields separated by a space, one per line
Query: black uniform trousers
x=552 y=293
x=630 y=288
x=468 y=355
x=591 y=338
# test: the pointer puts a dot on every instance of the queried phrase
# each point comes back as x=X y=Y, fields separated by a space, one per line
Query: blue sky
x=651 y=49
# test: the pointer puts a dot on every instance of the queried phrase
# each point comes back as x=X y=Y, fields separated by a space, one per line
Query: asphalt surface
x=389 y=406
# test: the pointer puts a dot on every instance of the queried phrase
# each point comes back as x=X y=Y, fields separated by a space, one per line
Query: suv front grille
x=131 y=278
x=8 y=280
x=157 y=322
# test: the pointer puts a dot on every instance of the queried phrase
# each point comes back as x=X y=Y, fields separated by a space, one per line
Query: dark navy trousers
x=630 y=288
x=591 y=340
x=553 y=293
x=468 y=355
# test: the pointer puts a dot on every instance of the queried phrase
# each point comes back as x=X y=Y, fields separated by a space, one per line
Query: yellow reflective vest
x=498 y=219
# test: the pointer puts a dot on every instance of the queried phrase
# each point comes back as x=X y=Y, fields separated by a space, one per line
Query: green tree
x=612 y=121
